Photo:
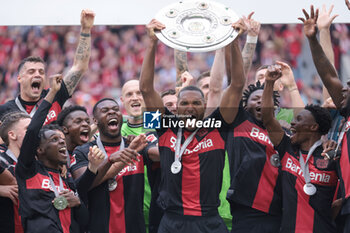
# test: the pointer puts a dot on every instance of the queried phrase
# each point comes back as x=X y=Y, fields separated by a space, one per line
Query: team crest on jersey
x=322 y=163
x=202 y=132
x=151 y=138
x=73 y=161
x=347 y=127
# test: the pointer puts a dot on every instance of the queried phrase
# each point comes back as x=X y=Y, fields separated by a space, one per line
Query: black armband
x=85 y=34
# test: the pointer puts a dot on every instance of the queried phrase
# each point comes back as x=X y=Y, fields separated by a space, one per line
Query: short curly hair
x=254 y=87
x=322 y=117
x=62 y=116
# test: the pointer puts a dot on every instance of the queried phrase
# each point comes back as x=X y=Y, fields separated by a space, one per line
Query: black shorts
x=248 y=220
x=172 y=223
x=343 y=223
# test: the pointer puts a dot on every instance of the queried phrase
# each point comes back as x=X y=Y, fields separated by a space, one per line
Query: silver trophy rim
x=203 y=47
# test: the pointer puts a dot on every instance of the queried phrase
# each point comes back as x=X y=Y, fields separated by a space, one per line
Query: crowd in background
x=117 y=54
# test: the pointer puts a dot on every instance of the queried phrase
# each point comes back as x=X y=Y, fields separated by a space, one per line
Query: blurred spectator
x=117 y=56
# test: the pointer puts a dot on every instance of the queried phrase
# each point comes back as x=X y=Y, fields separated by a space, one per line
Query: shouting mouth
x=84 y=135
x=113 y=124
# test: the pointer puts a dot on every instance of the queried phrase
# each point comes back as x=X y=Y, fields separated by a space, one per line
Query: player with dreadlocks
x=254 y=194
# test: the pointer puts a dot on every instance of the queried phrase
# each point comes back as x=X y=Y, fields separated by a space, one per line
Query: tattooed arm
x=181 y=65
x=249 y=47
x=82 y=55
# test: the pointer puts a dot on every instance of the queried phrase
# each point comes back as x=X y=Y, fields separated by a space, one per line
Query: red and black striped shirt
x=60 y=98
x=195 y=189
x=255 y=182
x=120 y=210
x=303 y=213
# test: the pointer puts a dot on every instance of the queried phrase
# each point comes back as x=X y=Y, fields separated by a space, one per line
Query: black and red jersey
x=9 y=216
x=255 y=182
x=60 y=98
x=195 y=189
x=120 y=210
x=35 y=192
x=303 y=213
x=344 y=168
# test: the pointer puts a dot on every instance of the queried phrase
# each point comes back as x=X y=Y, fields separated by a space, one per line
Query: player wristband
x=85 y=34
x=293 y=89
x=252 y=39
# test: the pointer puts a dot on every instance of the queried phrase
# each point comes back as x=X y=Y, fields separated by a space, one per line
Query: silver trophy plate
x=197 y=26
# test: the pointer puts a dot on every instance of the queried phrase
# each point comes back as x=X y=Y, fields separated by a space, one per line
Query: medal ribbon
x=11 y=155
x=340 y=138
x=19 y=105
x=100 y=145
x=54 y=187
x=304 y=164
x=102 y=148
x=179 y=151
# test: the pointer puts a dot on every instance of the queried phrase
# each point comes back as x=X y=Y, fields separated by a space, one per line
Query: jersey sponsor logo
x=323 y=178
x=250 y=130
x=127 y=169
x=133 y=169
x=261 y=136
x=204 y=144
x=40 y=181
x=45 y=184
x=151 y=138
x=51 y=116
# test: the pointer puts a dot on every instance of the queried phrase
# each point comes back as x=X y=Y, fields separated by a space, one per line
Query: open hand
x=138 y=143
x=325 y=19
x=310 y=28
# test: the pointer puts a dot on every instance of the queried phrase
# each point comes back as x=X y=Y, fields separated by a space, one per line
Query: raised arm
x=324 y=22
x=288 y=82
x=267 y=106
x=324 y=68
x=232 y=95
x=253 y=28
x=180 y=58
x=30 y=141
x=217 y=73
x=151 y=97
x=82 y=54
